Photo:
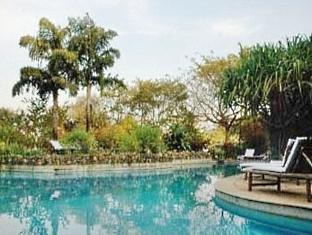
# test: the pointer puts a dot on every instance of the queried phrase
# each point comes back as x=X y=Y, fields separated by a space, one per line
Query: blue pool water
x=137 y=202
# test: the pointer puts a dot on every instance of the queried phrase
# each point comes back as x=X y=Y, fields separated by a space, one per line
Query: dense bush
x=15 y=149
x=79 y=139
x=178 y=138
x=149 y=139
x=198 y=141
x=143 y=139
x=182 y=137
x=129 y=143
x=110 y=136
x=253 y=134
x=107 y=137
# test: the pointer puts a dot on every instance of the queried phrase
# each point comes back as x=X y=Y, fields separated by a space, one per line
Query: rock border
x=183 y=163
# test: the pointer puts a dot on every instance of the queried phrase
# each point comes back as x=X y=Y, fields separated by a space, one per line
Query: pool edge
x=177 y=164
x=281 y=209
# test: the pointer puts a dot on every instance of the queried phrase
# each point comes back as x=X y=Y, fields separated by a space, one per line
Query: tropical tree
x=95 y=55
x=273 y=81
x=203 y=85
x=158 y=102
x=55 y=67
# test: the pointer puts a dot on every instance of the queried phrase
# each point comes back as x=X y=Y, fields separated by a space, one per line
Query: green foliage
x=10 y=123
x=184 y=136
x=149 y=139
x=198 y=141
x=253 y=134
x=157 y=102
x=15 y=149
x=219 y=152
x=77 y=112
x=203 y=86
x=110 y=136
x=143 y=139
x=129 y=143
x=91 y=43
x=56 y=65
x=80 y=139
x=274 y=81
x=178 y=138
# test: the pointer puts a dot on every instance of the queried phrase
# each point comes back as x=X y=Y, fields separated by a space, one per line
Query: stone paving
x=291 y=201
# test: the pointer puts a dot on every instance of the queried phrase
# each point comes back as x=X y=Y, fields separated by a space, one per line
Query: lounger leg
x=308 y=189
x=249 y=181
x=278 y=183
x=262 y=177
x=298 y=182
x=245 y=177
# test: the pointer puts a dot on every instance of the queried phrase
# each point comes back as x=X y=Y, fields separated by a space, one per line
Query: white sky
x=155 y=36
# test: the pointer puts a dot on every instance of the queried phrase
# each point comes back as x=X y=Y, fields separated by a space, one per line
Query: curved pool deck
x=291 y=201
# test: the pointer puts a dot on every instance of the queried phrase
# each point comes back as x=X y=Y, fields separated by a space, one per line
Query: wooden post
x=308 y=190
x=278 y=183
x=249 y=181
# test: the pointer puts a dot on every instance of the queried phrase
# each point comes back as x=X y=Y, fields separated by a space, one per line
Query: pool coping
x=283 y=209
x=175 y=164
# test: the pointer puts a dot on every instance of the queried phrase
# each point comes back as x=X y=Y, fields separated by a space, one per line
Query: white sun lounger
x=298 y=166
x=289 y=162
x=56 y=145
x=289 y=145
x=249 y=153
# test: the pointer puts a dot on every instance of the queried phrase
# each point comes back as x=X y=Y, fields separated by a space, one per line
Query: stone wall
x=101 y=158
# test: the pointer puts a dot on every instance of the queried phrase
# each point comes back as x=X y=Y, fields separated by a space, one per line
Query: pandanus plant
x=55 y=69
x=274 y=81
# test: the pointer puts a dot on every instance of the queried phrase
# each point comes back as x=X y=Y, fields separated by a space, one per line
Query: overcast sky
x=155 y=36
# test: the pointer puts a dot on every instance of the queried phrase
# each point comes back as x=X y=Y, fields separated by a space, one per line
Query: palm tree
x=95 y=55
x=56 y=66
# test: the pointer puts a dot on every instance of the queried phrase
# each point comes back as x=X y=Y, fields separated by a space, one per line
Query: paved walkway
x=290 y=201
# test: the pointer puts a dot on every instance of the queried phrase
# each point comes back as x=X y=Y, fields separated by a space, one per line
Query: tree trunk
x=88 y=108
x=55 y=116
x=226 y=135
x=275 y=142
x=276 y=133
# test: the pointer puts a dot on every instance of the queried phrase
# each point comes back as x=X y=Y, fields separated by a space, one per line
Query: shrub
x=110 y=136
x=143 y=139
x=15 y=149
x=129 y=143
x=253 y=134
x=106 y=137
x=80 y=139
x=178 y=138
x=149 y=139
x=183 y=136
x=198 y=140
x=11 y=150
x=219 y=152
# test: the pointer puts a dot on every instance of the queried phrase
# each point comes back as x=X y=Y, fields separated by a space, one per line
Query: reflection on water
x=146 y=202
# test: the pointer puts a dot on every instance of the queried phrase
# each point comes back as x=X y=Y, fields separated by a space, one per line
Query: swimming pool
x=138 y=202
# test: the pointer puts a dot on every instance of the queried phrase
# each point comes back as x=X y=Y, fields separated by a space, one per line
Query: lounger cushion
x=289 y=163
x=251 y=164
x=294 y=153
x=288 y=148
x=269 y=167
x=249 y=153
x=282 y=162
